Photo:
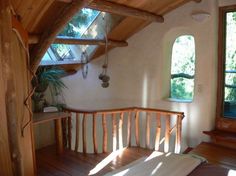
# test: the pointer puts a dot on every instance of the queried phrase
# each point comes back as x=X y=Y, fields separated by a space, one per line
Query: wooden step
x=215 y=154
x=223 y=138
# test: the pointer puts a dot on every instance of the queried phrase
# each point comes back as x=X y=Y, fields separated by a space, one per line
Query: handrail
x=117 y=116
x=119 y=110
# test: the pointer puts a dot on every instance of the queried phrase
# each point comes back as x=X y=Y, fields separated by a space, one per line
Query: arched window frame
x=183 y=74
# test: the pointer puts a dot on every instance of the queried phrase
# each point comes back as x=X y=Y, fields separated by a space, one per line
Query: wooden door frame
x=222 y=123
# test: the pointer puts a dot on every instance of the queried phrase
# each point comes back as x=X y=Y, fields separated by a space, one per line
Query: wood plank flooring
x=77 y=164
x=218 y=155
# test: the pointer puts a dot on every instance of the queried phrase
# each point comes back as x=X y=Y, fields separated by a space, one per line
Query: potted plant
x=47 y=77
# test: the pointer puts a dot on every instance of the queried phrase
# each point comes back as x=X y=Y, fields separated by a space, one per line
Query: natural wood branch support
x=95 y=145
x=167 y=134
x=121 y=125
x=34 y=39
x=59 y=136
x=84 y=134
x=114 y=129
x=158 y=132
x=51 y=32
x=77 y=132
x=115 y=8
x=77 y=41
x=197 y=1
x=104 y=125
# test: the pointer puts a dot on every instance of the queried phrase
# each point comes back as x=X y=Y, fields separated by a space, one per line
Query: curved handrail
x=119 y=110
x=119 y=114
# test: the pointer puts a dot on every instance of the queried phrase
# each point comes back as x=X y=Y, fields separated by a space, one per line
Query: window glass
x=230 y=66
x=183 y=68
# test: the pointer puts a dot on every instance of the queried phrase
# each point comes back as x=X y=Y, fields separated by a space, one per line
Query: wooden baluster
x=167 y=134
x=137 y=128
x=95 y=145
x=104 y=125
x=120 y=130
x=114 y=132
x=59 y=136
x=178 y=134
x=84 y=133
x=158 y=132
x=129 y=130
x=77 y=132
x=148 y=130
x=64 y=132
x=69 y=126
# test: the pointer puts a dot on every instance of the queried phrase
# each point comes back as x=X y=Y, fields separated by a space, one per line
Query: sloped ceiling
x=37 y=15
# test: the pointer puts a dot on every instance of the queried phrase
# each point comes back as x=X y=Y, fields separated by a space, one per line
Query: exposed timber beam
x=71 y=41
x=51 y=32
x=34 y=39
x=111 y=7
x=197 y=1
x=65 y=1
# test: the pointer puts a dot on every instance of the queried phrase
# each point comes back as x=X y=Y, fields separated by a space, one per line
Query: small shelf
x=43 y=117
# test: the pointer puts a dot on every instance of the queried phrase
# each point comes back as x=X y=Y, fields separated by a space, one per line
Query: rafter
x=197 y=1
x=33 y=39
x=51 y=32
x=115 y=8
x=111 y=7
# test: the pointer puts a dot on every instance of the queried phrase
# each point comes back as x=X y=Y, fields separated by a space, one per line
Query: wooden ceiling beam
x=111 y=7
x=34 y=39
x=197 y=1
x=65 y=1
x=70 y=41
x=51 y=32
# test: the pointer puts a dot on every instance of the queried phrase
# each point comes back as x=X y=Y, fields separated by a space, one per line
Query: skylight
x=77 y=28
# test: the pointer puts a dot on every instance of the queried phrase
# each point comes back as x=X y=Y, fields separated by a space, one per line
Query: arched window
x=183 y=68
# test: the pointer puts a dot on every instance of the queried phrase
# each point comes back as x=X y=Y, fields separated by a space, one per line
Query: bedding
x=160 y=164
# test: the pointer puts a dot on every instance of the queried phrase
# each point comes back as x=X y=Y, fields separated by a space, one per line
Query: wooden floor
x=76 y=164
x=218 y=155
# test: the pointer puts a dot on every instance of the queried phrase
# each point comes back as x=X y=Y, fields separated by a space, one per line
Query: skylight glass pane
x=230 y=66
x=183 y=68
x=87 y=24
x=79 y=23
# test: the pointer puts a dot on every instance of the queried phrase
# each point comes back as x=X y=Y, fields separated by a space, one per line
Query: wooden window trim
x=222 y=123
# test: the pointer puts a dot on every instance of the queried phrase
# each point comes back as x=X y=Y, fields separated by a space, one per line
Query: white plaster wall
x=140 y=72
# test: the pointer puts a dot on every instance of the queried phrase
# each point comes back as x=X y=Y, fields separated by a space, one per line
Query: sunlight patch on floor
x=106 y=161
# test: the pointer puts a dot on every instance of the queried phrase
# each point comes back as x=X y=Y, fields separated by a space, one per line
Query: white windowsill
x=179 y=100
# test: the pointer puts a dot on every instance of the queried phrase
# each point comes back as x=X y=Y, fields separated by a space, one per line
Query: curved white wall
x=140 y=72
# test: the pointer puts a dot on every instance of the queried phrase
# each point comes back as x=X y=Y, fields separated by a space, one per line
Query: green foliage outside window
x=183 y=68
x=230 y=54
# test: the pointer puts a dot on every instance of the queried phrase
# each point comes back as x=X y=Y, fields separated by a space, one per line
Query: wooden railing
x=133 y=115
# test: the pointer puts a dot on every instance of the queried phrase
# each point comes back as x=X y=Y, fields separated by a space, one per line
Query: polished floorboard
x=76 y=164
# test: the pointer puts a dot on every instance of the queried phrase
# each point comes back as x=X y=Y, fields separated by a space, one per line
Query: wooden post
x=114 y=132
x=69 y=126
x=7 y=62
x=120 y=130
x=5 y=159
x=167 y=134
x=129 y=129
x=59 y=136
x=77 y=132
x=104 y=126
x=158 y=132
x=95 y=145
x=84 y=133
x=137 y=128
x=178 y=134
x=148 y=130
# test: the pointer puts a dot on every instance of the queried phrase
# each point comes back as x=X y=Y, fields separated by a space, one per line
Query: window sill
x=179 y=100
